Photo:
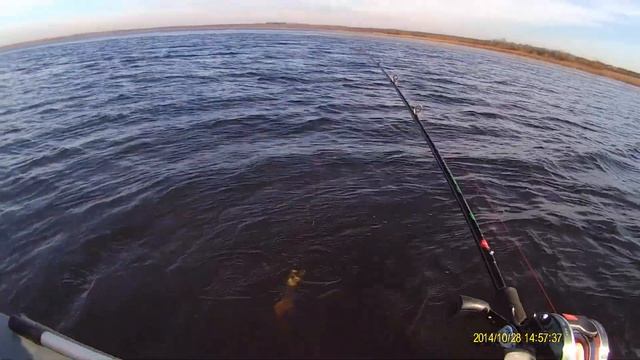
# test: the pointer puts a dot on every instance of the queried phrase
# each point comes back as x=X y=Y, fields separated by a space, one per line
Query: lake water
x=156 y=190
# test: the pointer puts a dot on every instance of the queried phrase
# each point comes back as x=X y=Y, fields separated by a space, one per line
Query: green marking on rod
x=472 y=216
x=457 y=186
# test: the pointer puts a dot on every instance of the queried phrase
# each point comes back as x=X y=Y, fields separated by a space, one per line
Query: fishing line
x=524 y=258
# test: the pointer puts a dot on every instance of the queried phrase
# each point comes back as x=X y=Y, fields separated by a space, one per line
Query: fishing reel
x=542 y=335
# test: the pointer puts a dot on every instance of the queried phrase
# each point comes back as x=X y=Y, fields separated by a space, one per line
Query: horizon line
x=560 y=57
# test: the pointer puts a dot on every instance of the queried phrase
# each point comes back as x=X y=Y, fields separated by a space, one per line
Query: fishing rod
x=488 y=255
x=561 y=336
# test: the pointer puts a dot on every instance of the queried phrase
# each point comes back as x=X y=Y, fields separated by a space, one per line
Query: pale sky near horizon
x=605 y=30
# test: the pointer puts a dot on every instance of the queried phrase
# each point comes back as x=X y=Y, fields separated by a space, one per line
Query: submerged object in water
x=286 y=303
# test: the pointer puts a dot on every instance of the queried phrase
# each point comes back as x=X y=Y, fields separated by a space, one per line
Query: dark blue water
x=156 y=190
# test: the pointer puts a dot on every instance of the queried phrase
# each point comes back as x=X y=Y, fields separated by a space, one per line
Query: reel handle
x=470 y=304
x=510 y=295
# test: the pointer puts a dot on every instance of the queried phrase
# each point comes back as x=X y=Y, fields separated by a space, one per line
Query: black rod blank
x=485 y=250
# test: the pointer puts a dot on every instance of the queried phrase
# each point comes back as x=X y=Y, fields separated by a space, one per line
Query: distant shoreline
x=546 y=55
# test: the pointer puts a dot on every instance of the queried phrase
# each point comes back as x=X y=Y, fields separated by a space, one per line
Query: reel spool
x=582 y=338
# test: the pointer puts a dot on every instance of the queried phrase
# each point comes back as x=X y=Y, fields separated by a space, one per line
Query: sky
x=605 y=30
